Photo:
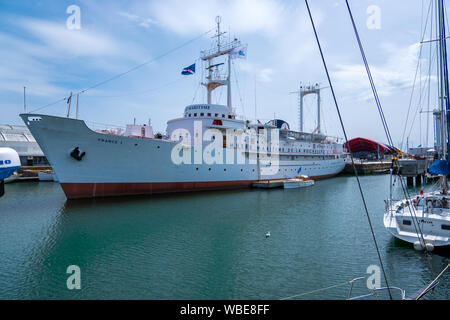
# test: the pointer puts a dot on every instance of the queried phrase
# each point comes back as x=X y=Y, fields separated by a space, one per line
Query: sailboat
x=424 y=219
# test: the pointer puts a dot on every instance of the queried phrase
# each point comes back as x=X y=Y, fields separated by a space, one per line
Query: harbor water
x=205 y=245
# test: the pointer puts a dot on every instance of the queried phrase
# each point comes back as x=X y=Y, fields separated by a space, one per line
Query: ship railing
x=106 y=128
x=224 y=49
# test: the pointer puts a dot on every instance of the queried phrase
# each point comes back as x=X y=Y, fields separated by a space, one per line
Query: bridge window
x=445 y=227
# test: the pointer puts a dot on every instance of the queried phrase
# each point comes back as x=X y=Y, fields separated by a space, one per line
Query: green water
x=208 y=245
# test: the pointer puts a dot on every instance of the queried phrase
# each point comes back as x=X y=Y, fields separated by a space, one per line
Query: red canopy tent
x=361 y=144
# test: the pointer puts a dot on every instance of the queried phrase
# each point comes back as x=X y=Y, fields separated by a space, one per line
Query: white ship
x=188 y=158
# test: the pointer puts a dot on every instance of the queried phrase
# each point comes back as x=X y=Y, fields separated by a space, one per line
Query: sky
x=42 y=48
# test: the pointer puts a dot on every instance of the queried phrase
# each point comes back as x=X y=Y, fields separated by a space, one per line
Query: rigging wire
x=351 y=155
x=142 y=92
x=415 y=80
x=422 y=93
x=128 y=71
x=239 y=90
x=426 y=86
x=383 y=120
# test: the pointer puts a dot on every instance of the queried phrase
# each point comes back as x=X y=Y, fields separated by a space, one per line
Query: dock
x=27 y=174
x=368 y=167
x=415 y=170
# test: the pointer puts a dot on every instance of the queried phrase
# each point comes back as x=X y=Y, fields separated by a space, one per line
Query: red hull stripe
x=92 y=190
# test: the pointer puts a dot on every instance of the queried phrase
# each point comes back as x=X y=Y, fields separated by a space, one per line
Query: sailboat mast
x=444 y=85
x=444 y=89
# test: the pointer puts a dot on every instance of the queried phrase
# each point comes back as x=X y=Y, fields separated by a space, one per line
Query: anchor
x=76 y=154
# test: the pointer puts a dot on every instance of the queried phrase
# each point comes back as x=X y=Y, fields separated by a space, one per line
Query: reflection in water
x=207 y=245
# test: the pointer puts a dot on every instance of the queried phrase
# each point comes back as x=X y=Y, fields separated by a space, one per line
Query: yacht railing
x=374 y=291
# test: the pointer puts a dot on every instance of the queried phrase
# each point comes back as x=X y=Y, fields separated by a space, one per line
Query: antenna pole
x=69 y=102
x=229 y=84
x=318 y=109
x=24 y=100
x=255 y=101
x=76 y=110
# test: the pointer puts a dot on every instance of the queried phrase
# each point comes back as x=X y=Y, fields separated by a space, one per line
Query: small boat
x=268 y=234
x=12 y=178
x=298 y=182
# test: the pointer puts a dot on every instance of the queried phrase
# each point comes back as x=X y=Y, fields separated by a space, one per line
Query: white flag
x=239 y=52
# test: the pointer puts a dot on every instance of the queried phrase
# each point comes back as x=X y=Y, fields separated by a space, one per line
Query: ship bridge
x=208 y=110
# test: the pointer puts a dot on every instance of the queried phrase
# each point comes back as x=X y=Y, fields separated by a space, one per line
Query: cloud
x=245 y=16
x=261 y=74
x=23 y=69
x=58 y=39
x=142 y=22
x=48 y=58
x=395 y=74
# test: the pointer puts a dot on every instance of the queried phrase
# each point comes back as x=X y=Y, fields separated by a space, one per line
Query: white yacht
x=424 y=219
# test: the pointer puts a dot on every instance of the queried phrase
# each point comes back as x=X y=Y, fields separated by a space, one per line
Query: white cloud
x=395 y=74
x=142 y=22
x=59 y=39
x=260 y=74
x=23 y=69
x=41 y=63
x=245 y=16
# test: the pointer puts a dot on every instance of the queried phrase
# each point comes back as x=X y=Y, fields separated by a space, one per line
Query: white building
x=20 y=139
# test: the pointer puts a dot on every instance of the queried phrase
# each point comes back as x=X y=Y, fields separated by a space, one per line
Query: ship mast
x=306 y=90
x=214 y=79
x=443 y=89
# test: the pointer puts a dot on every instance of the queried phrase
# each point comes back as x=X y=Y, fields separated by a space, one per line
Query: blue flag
x=188 y=70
